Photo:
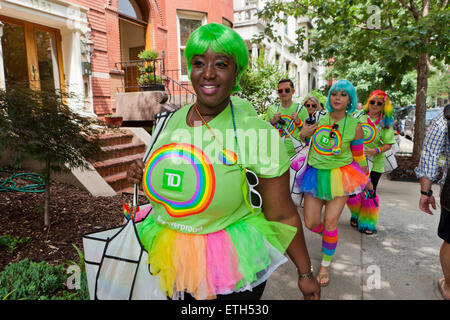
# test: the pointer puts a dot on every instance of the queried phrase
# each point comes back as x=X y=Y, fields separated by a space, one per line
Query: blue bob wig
x=346 y=86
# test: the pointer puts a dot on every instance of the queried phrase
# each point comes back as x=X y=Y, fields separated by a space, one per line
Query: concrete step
x=121 y=150
x=111 y=139
x=118 y=181
x=115 y=166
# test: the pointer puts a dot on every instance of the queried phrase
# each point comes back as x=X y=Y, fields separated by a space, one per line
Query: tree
x=369 y=76
x=259 y=82
x=438 y=86
x=400 y=35
x=41 y=125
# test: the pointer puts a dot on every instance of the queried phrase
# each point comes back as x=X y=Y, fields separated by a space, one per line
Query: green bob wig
x=221 y=39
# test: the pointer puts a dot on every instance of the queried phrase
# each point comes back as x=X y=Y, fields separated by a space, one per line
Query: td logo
x=325 y=140
x=172 y=179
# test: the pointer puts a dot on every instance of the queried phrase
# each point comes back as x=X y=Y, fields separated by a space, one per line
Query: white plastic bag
x=115 y=259
x=117 y=267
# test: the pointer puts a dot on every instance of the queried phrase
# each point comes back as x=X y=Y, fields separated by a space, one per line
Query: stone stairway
x=118 y=153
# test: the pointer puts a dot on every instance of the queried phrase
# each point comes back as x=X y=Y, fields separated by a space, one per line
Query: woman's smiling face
x=213 y=75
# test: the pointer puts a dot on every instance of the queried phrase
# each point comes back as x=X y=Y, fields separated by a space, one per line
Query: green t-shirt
x=376 y=136
x=286 y=114
x=245 y=105
x=330 y=153
x=189 y=180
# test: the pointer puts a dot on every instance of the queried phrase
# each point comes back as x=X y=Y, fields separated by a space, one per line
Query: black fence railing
x=180 y=94
x=141 y=75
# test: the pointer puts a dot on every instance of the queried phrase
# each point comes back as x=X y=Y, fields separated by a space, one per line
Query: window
x=187 y=23
x=130 y=8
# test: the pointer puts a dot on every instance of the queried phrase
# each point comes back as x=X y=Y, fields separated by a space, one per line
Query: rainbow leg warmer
x=318 y=229
x=368 y=216
x=329 y=244
x=354 y=204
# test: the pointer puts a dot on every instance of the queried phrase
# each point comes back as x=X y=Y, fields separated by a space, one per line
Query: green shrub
x=9 y=242
x=31 y=280
x=27 y=280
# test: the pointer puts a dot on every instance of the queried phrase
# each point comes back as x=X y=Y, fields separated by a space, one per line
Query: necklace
x=335 y=127
x=369 y=118
x=216 y=139
x=190 y=118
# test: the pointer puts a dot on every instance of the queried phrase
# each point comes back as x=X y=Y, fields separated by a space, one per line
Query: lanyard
x=217 y=140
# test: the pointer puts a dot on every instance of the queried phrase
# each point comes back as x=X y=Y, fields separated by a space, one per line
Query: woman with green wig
x=217 y=178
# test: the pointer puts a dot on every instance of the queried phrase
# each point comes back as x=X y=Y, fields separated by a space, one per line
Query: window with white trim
x=187 y=22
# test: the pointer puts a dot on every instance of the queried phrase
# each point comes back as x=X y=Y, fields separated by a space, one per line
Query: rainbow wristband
x=379 y=150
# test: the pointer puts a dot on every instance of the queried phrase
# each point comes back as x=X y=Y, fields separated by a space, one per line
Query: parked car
x=411 y=119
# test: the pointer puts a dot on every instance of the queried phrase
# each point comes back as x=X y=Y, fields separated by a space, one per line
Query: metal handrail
x=179 y=94
x=173 y=87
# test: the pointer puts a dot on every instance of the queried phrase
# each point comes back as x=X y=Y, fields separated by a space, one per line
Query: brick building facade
x=79 y=44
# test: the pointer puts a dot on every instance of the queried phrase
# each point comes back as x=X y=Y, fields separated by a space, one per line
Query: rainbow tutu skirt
x=237 y=258
x=327 y=184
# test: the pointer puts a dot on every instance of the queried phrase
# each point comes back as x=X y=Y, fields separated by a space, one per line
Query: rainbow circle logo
x=323 y=133
x=291 y=128
x=204 y=172
x=370 y=132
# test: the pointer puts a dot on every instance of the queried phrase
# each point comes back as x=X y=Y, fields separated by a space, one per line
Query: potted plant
x=148 y=80
x=113 y=121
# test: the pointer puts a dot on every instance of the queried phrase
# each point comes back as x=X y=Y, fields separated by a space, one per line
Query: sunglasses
x=252 y=181
x=375 y=102
x=310 y=106
x=333 y=131
x=287 y=90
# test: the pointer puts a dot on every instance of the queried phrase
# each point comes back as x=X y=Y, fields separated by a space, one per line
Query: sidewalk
x=404 y=253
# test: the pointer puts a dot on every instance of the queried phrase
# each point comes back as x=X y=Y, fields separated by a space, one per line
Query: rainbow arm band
x=357 y=147
x=379 y=150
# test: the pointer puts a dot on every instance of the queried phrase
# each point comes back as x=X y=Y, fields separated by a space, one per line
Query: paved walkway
x=403 y=255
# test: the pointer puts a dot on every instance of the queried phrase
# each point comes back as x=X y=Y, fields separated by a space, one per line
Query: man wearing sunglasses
x=287 y=114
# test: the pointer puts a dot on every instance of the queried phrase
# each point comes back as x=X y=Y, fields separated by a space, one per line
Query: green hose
x=9 y=185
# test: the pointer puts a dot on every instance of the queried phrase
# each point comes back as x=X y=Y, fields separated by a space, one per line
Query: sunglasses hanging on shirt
x=333 y=130
x=253 y=199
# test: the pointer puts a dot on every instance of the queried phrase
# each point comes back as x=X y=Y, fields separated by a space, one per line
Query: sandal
x=440 y=284
x=354 y=223
x=368 y=232
x=321 y=276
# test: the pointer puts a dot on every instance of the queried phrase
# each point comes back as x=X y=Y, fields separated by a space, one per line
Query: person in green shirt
x=217 y=178
x=292 y=114
x=336 y=169
x=377 y=123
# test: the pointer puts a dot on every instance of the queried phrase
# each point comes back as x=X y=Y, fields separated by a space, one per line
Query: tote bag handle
x=161 y=122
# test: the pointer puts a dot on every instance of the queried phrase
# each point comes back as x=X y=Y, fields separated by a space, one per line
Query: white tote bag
x=390 y=162
x=299 y=160
x=117 y=267
x=115 y=259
